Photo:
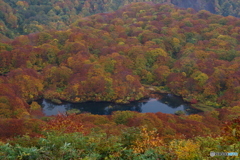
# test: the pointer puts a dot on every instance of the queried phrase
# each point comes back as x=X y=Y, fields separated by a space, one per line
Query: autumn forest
x=78 y=51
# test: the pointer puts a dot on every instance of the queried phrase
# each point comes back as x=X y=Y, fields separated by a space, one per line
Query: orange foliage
x=65 y=124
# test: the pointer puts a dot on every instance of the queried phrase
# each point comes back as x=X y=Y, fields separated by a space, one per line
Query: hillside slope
x=24 y=17
x=111 y=56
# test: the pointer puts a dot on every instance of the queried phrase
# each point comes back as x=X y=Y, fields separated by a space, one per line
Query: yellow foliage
x=75 y=88
x=77 y=99
x=2 y=48
x=35 y=106
x=24 y=115
x=130 y=78
x=195 y=117
x=201 y=54
x=176 y=41
x=5 y=110
x=150 y=43
x=184 y=74
x=87 y=62
x=121 y=43
x=30 y=86
x=31 y=96
x=23 y=39
x=29 y=64
x=23 y=4
x=159 y=52
x=200 y=77
x=70 y=61
x=114 y=54
x=214 y=114
x=147 y=140
x=21 y=113
x=185 y=149
x=235 y=109
x=57 y=8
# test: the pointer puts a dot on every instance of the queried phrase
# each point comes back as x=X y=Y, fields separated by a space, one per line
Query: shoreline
x=153 y=92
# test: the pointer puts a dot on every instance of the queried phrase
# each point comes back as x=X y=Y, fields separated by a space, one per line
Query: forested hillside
x=110 y=56
x=116 y=57
x=29 y=16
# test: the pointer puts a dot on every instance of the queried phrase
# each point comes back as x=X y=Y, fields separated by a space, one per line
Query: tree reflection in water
x=172 y=101
x=165 y=103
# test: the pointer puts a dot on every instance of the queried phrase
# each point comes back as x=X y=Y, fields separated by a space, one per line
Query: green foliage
x=152 y=55
x=132 y=142
x=110 y=57
x=22 y=18
x=180 y=112
x=121 y=117
x=73 y=111
x=129 y=136
x=4 y=46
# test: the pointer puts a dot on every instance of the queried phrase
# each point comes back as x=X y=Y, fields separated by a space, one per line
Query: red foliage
x=231 y=131
x=148 y=119
x=37 y=113
x=11 y=127
x=193 y=101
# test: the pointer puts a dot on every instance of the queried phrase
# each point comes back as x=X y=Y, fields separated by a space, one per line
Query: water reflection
x=172 y=101
x=166 y=104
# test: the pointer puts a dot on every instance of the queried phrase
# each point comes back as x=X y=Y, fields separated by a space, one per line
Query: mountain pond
x=167 y=103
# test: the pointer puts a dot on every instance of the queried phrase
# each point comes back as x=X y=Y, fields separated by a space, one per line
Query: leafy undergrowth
x=110 y=57
x=122 y=135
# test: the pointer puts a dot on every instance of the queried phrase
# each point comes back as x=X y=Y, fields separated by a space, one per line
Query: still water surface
x=167 y=104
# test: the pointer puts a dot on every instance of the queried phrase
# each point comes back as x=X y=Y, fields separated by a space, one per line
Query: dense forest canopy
x=29 y=16
x=115 y=57
x=111 y=56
